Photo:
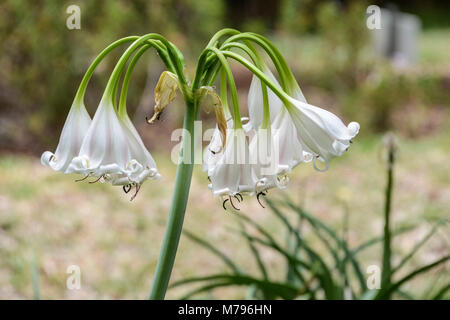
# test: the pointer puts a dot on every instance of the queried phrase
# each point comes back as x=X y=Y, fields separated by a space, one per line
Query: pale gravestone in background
x=397 y=39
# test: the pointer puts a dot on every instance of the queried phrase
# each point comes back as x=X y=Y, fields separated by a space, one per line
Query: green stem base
x=178 y=208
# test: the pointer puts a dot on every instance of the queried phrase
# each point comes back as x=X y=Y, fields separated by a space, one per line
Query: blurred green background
x=47 y=222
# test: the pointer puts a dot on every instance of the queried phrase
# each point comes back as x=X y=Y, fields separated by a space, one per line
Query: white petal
x=105 y=145
x=320 y=131
x=73 y=132
x=256 y=104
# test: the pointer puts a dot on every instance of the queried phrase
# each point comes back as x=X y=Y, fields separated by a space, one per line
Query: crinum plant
x=285 y=129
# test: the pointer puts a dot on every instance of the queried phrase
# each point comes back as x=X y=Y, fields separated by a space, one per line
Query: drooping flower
x=321 y=132
x=73 y=132
x=112 y=151
x=233 y=173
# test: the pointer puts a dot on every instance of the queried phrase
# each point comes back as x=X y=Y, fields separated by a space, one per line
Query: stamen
x=223 y=204
x=232 y=204
x=215 y=152
x=138 y=187
x=209 y=178
x=51 y=158
x=257 y=198
x=240 y=195
x=96 y=180
x=85 y=177
x=126 y=188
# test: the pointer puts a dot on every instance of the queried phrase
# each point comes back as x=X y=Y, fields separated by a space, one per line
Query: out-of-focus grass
x=116 y=242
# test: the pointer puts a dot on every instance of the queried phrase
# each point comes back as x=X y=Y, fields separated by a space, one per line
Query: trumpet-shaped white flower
x=233 y=173
x=321 y=132
x=73 y=132
x=256 y=104
x=113 y=151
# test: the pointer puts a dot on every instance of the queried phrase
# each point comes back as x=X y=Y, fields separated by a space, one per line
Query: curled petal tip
x=46 y=157
x=353 y=128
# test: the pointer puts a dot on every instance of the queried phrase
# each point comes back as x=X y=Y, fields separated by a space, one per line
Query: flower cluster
x=282 y=130
x=107 y=148
x=298 y=132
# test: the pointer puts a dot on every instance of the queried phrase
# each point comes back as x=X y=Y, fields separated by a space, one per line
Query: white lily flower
x=255 y=101
x=104 y=150
x=113 y=151
x=233 y=173
x=321 y=132
x=73 y=132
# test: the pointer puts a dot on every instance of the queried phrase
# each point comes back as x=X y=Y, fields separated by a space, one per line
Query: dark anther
x=262 y=193
x=85 y=177
x=126 y=188
x=215 y=152
x=97 y=179
x=240 y=195
x=232 y=204
x=351 y=141
x=209 y=178
x=138 y=187
x=223 y=204
x=51 y=158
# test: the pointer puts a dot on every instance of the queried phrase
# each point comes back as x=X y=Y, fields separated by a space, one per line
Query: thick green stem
x=178 y=207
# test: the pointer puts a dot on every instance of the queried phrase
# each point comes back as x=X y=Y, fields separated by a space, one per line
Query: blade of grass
x=385 y=293
x=282 y=290
x=255 y=253
x=441 y=294
x=214 y=250
x=317 y=224
x=417 y=247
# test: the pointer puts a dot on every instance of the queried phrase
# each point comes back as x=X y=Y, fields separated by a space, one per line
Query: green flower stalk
x=286 y=129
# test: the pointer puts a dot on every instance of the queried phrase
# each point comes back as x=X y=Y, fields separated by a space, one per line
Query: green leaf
x=273 y=289
x=384 y=293
x=214 y=250
x=255 y=253
x=417 y=247
x=319 y=225
x=441 y=294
